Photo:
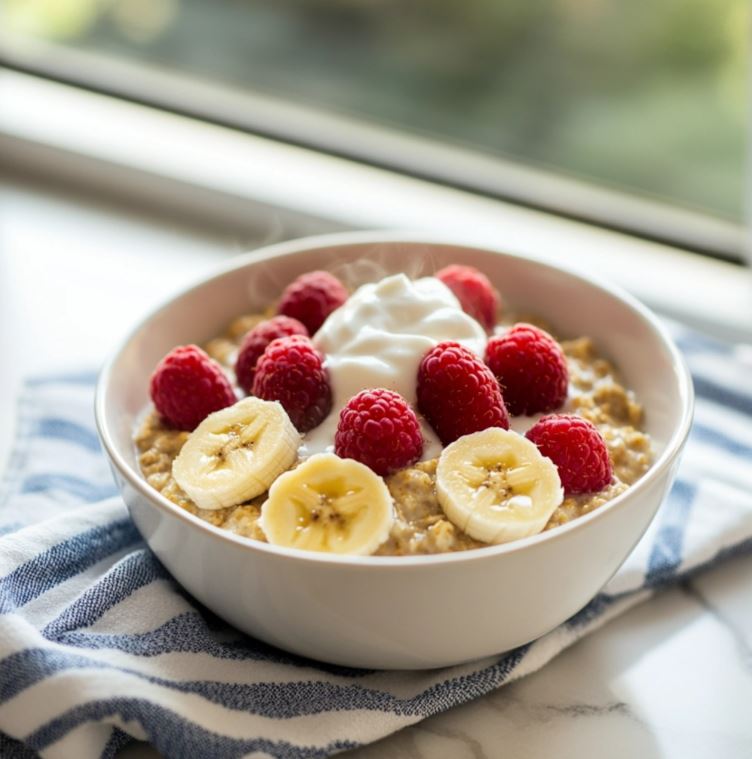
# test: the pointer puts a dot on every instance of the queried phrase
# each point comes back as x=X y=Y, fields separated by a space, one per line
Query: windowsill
x=229 y=179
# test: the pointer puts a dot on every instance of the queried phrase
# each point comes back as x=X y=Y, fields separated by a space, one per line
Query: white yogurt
x=378 y=338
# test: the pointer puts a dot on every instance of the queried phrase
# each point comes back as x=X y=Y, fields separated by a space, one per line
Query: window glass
x=647 y=97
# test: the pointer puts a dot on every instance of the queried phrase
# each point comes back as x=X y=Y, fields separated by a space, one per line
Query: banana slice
x=328 y=504
x=236 y=453
x=497 y=486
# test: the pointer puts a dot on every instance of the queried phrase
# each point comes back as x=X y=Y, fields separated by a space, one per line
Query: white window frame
x=236 y=177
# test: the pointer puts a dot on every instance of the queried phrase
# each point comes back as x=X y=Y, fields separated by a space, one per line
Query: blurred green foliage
x=650 y=97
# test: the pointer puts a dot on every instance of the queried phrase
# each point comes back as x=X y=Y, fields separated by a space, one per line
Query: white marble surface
x=672 y=678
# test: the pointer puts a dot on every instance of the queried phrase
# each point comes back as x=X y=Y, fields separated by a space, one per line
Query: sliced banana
x=328 y=504
x=497 y=486
x=236 y=453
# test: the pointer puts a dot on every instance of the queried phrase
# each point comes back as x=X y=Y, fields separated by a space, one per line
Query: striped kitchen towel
x=98 y=645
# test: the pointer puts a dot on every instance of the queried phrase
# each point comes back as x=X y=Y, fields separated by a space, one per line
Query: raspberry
x=379 y=429
x=291 y=371
x=458 y=394
x=311 y=298
x=531 y=369
x=578 y=450
x=255 y=342
x=474 y=291
x=187 y=386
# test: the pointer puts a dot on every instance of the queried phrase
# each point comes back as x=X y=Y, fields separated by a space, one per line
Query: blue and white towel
x=98 y=645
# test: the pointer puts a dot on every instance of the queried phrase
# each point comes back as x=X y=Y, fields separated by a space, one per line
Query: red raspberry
x=380 y=430
x=311 y=298
x=187 y=386
x=255 y=342
x=474 y=291
x=291 y=371
x=578 y=450
x=531 y=369
x=458 y=394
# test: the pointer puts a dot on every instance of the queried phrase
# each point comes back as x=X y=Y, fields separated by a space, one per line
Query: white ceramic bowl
x=400 y=612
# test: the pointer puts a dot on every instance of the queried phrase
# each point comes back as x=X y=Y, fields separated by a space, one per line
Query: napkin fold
x=99 y=646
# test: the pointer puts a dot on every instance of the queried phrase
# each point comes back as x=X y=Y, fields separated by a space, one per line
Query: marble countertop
x=672 y=678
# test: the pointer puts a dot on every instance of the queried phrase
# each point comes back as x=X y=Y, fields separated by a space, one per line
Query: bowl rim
x=346 y=239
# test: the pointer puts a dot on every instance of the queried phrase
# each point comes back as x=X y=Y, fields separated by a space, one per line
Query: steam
x=376 y=261
x=379 y=261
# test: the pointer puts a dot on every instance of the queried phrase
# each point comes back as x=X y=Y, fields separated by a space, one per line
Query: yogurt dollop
x=378 y=338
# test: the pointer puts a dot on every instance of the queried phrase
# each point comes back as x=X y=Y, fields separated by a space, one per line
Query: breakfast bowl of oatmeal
x=392 y=453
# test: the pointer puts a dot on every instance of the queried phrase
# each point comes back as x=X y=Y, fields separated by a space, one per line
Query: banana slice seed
x=496 y=486
x=236 y=453
x=328 y=504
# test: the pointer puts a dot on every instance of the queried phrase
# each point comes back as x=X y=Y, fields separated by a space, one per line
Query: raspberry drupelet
x=187 y=386
x=457 y=393
x=531 y=369
x=578 y=450
x=311 y=298
x=379 y=429
x=474 y=291
x=291 y=371
x=255 y=342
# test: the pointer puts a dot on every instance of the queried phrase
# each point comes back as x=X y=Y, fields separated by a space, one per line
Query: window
x=647 y=100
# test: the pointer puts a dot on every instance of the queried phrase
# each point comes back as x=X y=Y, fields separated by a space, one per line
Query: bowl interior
x=622 y=330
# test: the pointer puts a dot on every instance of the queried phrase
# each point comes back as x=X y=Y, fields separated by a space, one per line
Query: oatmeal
x=420 y=524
